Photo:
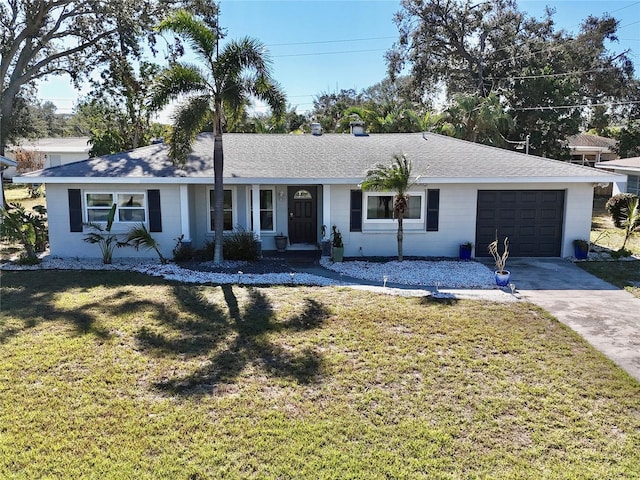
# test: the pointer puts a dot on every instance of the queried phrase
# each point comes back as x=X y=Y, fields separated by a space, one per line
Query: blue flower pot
x=502 y=278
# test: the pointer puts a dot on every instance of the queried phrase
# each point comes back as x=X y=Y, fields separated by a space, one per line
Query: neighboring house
x=4 y=163
x=587 y=149
x=295 y=184
x=625 y=166
x=55 y=151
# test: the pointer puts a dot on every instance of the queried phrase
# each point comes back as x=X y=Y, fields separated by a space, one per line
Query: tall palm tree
x=229 y=76
x=392 y=178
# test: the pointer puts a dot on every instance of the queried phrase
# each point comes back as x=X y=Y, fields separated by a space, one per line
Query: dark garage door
x=532 y=219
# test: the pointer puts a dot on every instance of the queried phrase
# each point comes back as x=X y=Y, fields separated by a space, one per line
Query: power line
x=550 y=75
x=565 y=107
x=325 y=53
x=329 y=41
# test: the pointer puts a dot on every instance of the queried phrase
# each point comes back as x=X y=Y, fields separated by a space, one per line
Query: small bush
x=182 y=252
x=241 y=245
x=623 y=252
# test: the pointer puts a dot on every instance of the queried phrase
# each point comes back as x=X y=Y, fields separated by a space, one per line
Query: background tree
x=476 y=119
x=238 y=70
x=394 y=178
x=548 y=81
x=39 y=38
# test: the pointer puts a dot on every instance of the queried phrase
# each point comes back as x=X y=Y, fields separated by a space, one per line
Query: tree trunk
x=218 y=184
x=400 y=236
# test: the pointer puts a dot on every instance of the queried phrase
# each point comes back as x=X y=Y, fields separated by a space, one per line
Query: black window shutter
x=355 y=222
x=75 y=210
x=155 y=215
x=433 y=210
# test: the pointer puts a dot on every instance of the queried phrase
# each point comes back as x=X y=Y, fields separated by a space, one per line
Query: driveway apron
x=604 y=315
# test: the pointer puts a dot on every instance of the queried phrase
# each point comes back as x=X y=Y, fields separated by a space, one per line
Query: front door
x=303 y=226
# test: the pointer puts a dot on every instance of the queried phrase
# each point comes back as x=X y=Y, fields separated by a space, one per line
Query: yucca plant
x=139 y=236
x=103 y=237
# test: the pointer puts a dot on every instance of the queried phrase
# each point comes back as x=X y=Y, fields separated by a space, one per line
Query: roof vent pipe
x=357 y=129
x=316 y=129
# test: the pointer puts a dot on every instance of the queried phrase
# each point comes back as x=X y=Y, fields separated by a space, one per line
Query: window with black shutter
x=433 y=210
x=355 y=222
x=75 y=210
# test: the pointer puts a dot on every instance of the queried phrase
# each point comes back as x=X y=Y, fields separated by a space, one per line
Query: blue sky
x=325 y=46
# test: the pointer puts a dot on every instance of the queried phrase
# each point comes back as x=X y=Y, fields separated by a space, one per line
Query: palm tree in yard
x=228 y=77
x=393 y=178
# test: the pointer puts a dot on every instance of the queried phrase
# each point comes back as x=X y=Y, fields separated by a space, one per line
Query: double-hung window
x=379 y=207
x=267 y=209
x=130 y=206
x=227 y=210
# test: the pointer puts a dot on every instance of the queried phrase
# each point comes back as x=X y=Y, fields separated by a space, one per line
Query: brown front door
x=303 y=226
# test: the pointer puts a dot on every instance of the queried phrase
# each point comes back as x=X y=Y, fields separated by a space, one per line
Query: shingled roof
x=329 y=158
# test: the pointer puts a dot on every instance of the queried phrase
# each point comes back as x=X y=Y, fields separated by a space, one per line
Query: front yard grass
x=622 y=274
x=106 y=375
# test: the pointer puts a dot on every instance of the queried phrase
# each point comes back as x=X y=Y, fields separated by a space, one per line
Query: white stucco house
x=295 y=184
x=54 y=151
x=624 y=166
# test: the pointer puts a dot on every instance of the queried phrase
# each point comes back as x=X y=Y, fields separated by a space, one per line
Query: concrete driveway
x=607 y=317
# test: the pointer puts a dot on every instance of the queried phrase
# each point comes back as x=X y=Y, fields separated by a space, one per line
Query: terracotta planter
x=281 y=243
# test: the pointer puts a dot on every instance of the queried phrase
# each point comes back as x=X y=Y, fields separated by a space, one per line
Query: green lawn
x=622 y=274
x=106 y=375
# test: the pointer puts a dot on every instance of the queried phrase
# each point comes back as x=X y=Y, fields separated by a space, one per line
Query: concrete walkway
x=605 y=316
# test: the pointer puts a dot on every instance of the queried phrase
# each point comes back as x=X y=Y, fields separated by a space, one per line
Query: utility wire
x=565 y=107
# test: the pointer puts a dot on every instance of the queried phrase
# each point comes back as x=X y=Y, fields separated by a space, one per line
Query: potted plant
x=281 y=242
x=337 y=246
x=580 y=249
x=502 y=275
x=465 y=250
x=325 y=242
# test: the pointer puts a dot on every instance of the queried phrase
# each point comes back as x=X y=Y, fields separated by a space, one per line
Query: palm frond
x=177 y=80
x=395 y=177
x=269 y=91
x=188 y=120
x=199 y=36
x=246 y=53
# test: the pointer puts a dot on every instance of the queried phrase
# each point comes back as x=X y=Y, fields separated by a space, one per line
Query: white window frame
x=114 y=199
x=234 y=209
x=250 y=208
x=405 y=220
x=633 y=183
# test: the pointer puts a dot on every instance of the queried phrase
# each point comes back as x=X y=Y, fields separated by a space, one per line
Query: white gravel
x=443 y=273
x=450 y=278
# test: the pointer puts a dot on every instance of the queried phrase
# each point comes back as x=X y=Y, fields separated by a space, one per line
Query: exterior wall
x=457 y=221
x=66 y=244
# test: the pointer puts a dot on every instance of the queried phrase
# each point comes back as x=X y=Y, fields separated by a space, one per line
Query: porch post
x=255 y=206
x=326 y=207
x=184 y=213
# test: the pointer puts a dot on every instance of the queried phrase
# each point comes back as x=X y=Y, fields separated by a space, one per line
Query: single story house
x=625 y=166
x=54 y=151
x=295 y=184
x=588 y=149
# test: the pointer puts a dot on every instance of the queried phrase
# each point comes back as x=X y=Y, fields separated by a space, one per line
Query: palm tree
x=393 y=178
x=231 y=74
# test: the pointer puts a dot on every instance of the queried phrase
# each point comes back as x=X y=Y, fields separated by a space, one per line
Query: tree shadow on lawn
x=248 y=331
x=33 y=297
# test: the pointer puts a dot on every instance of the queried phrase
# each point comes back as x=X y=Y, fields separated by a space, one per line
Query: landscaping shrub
x=241 y=245
x=182 y=252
